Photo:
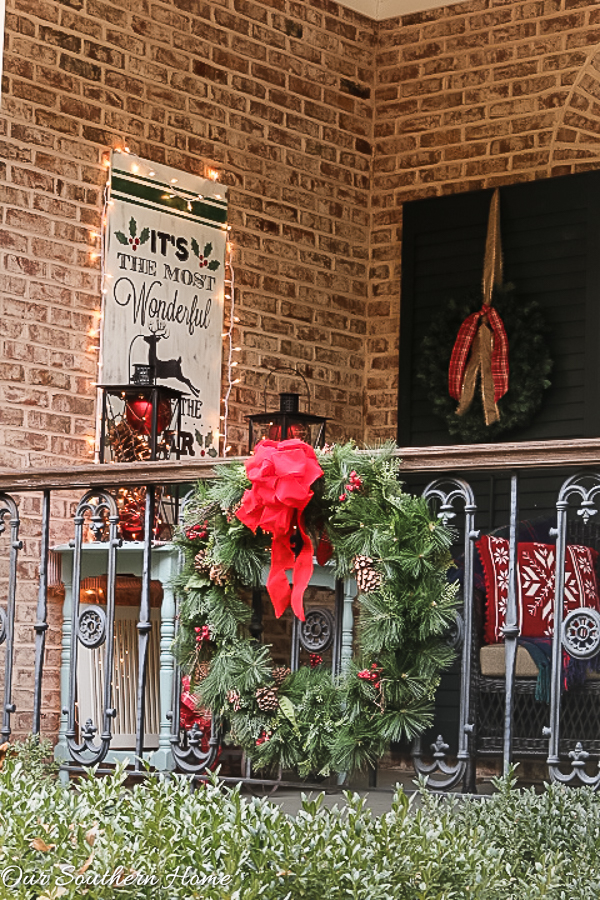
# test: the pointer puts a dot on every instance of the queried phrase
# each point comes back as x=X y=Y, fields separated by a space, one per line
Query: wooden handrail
x=578 y=453
x=105 y=475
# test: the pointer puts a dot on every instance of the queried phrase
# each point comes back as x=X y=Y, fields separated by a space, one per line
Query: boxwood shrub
x=99 y=838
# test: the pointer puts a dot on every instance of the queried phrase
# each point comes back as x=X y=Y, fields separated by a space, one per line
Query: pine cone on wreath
x=202 y=671
x=280 y=673
x=267 y=699
x=233 y=698
x=230 y=514
x=367 y=579
x=218 y=575
x=200 y=563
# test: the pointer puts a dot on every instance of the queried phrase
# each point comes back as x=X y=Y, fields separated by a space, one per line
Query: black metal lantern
x=287 y=422
x=140 y=422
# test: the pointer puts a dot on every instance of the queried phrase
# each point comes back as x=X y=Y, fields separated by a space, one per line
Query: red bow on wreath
x=281 y=473
x=481 y=346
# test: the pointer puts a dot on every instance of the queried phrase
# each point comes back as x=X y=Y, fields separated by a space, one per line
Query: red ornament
x=139 y=415
x=131 y=531
x=131 y=521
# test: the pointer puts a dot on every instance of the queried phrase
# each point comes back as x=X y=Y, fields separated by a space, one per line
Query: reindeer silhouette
x=165 y=368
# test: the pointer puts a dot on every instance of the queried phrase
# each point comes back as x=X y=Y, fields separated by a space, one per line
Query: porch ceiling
x=391 y=9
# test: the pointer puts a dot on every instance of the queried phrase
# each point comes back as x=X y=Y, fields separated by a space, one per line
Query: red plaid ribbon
x=462 y=348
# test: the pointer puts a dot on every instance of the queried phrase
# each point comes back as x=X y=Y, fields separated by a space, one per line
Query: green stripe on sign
x=201 y=209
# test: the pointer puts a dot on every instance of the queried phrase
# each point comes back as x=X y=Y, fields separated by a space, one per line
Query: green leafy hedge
x=513 y=846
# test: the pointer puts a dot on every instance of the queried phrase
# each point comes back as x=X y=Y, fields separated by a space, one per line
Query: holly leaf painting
x=132 y=227
x=122 y=238
x=214 y=265
x=195 y=247
x=144 y=236
x=207 y=251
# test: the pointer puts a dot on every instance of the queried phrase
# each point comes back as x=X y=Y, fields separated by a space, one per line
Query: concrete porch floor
x=378 y=799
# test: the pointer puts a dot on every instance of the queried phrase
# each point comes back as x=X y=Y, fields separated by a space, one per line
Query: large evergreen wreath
x=529 y=359
x=307 y=720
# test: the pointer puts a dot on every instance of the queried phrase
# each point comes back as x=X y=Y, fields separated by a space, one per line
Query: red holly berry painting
x=205 y=444
x=133 y=240
x=204 y=260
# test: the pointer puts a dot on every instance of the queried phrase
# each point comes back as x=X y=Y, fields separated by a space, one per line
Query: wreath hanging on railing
x=285 y=503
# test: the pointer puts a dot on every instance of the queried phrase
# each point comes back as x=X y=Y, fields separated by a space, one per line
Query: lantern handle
x=293 y=369
x=129 y=356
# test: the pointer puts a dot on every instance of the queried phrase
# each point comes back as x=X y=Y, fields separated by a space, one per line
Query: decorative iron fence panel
x=498 y=713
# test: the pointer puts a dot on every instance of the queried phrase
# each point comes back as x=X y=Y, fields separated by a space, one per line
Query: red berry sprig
x=354 y=484
x=202 y=633
x=315 y=660
x=264 y=737
x=373 y=675
x=197 y=532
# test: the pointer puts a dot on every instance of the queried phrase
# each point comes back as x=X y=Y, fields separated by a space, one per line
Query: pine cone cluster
x=127 y=446
x=219 y=575
x=202 y=671
x=280 y=673
x=367 y=579
x=201 y=565
x=233 y=698
x=267 y=699
x=230 y=514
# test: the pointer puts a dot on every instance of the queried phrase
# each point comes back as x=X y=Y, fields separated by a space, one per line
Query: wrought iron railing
x=88 y=627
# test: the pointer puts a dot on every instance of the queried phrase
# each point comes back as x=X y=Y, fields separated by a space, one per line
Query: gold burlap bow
x=481 y=347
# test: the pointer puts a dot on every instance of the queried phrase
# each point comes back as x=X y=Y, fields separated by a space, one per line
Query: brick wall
x=283 y=98
x=470 y=96
x=277 y=96
x=322 y=123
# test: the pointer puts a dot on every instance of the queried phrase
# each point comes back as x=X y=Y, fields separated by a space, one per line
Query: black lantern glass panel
x=287 y=423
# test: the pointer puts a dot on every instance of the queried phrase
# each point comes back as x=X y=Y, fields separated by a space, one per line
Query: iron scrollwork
x=579 y=633
x=186 y=744
x=91 y=628
x=3 y=626
x=316 y=632
x=456 y=633
x=447 y=494
x=100 y=506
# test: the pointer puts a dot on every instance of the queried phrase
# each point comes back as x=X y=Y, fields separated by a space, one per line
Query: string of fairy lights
x=98 y=252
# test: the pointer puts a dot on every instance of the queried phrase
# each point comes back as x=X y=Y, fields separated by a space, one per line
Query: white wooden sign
x=164 y=280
